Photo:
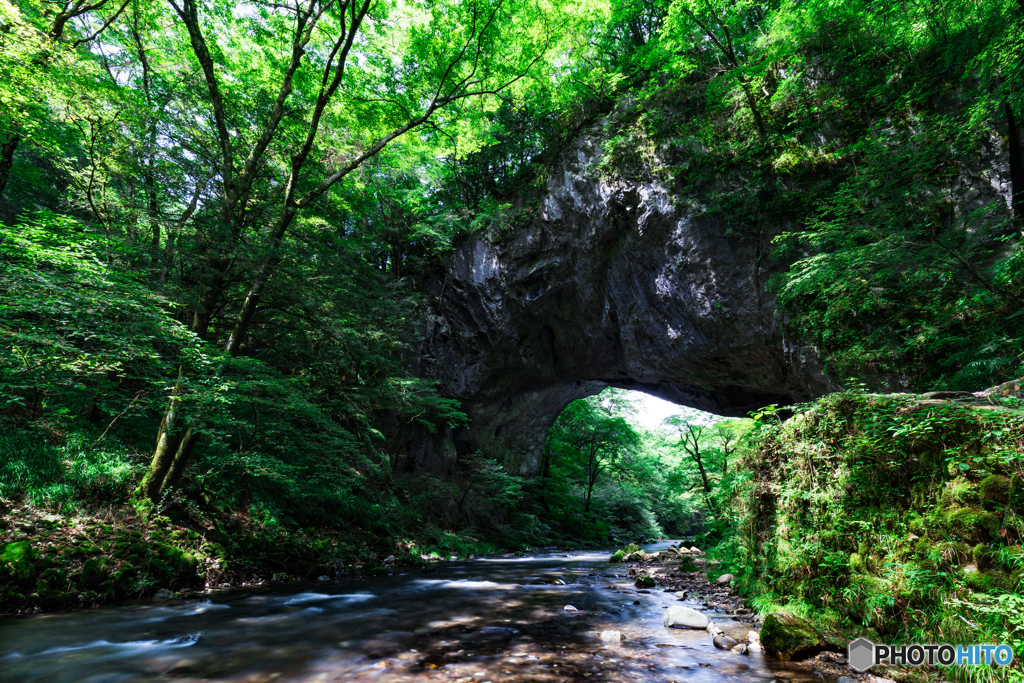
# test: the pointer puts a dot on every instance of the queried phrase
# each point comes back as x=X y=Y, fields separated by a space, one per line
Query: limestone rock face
x=610 y=283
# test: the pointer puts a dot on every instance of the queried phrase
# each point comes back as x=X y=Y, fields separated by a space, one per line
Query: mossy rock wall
x=877 y=508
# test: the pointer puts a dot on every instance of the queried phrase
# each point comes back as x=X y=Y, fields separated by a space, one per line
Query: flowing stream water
x=496 y=619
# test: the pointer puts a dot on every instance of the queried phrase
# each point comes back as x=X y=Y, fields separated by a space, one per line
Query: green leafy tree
x=594 y=440
x=268 y=170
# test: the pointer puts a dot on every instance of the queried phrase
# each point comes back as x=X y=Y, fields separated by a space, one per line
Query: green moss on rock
x=984 y=557
x=16 y=563
x=992 y=581
x=994 y=492
x=959 y=493
x=94 y=573
x=789 y=637
x=973 y=525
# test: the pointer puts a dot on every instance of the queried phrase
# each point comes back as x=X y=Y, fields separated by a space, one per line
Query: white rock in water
x=753 y=636
x=696 y=551
x=714 y=629
x=569 y=608
x=754 y=646
x=614 y=636
x=679 y=616
x=324 y=578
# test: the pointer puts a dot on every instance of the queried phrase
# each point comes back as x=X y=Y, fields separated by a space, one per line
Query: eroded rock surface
x=612 y=283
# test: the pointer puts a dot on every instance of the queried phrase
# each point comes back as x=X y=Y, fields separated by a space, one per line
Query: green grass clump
x=67 y=476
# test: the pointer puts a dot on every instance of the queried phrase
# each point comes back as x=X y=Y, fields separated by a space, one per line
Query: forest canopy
x=221 y=219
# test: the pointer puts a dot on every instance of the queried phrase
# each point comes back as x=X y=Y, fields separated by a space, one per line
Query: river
x=496 y=619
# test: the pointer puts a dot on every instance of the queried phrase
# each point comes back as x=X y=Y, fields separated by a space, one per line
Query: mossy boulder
x=959 y=493
x=94 y=573
x=984 y=557
x=16 y=563
x=619 y=556
x=994 y=492
x=973 y=525
x=644 y=582
x=789 y=637
x=991 y=581
x=857 y=563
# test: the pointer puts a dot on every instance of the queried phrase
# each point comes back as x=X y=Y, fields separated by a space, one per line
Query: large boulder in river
x=679 y=616
x=789 y=637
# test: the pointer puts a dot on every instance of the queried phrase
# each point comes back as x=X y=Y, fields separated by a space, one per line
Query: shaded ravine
x=493 y=619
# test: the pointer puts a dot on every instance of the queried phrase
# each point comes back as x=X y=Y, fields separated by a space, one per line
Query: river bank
x=54 y=562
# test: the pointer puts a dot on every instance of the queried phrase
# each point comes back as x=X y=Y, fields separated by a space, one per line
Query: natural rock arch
x=610 y=284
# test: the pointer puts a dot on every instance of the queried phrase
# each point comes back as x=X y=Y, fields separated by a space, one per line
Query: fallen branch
x=137 y=397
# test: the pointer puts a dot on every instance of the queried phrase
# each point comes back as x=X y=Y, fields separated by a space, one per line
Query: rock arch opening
x=610 y=283
x=633 y=467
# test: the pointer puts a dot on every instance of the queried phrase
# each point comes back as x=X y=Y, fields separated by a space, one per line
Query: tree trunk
x=168 y=440
x=7 y=158
x=176 y=440
x=762 y=130
x=181 y=459
x=593 y=471
x=700 y=465
x=1016 y=154
x=545 y=473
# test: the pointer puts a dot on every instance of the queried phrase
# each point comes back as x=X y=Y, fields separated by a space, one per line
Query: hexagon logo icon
x=861 y=654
